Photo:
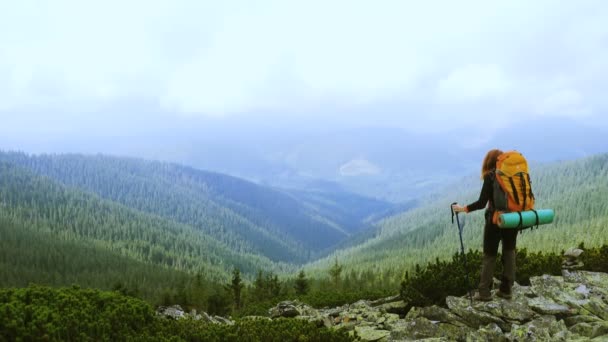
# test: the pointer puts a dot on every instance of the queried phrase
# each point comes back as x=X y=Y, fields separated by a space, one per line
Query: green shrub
x=432 y=284
x=38 y=313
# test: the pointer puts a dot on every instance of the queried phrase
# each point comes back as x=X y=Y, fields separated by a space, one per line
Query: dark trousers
x=492 y=236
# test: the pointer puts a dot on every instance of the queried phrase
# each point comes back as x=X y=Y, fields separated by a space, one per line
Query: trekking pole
x=464 y=256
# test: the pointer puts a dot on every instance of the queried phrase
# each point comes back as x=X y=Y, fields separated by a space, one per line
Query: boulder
x=582 y=329
x=473 y=317
x=422 y=328
x=397 y=307
x=174 y=311
x=292 y=309
x=572 y=320
x=435 y=313
x=600 y=329
x=490 y=332
x=222 y=320
x=573 y=253
x=335 y=312
x=545 y=328
x=384 y=300
x=367 y=333
x=546 y=306
x=514 y=310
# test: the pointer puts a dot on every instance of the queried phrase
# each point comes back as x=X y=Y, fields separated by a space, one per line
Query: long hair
x=489 y=162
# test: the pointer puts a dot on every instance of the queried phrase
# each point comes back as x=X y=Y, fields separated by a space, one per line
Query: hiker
x=492 y=236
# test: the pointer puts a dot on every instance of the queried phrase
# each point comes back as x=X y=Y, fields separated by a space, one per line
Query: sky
x=87 y=68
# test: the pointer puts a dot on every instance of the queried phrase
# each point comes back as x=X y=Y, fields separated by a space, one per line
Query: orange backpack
x=512 y=190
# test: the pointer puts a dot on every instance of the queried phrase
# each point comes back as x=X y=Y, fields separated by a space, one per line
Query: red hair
x=489 y=162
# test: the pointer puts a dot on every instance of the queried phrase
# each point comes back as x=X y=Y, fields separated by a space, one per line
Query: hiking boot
x=503 y=295
x=481 y=297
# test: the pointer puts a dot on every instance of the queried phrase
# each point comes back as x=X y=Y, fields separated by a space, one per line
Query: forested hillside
x=576 y=190
x=244 y=217
x=70 y=216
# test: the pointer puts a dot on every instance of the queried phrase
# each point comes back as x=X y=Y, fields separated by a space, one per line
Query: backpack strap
x=530 y=182
x=514 y=190
x=520 y=226
x=491 y=204
x=523 y=189
x=536 y=213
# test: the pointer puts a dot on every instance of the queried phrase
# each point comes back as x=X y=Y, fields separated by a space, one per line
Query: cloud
x=410 y=64
x=358 y=167
x=472 y=83
x=564 y=102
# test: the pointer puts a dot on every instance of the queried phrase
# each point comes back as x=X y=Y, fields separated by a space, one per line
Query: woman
x=492 y=236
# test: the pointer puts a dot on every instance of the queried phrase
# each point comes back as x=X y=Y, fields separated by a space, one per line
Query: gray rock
x=435 y=313
x=547 y=285
x=474 y=318
x=582 y=329
x=368 y=333
x=223 y=320
x=327 y=322
x=292 y=309
x=597 y=307
x=421 y=328
x=515 y=310
x=545 y=328
x=522 y=291
x=593 y=279
x=546 y=306
x=573 y=252
x=335 y=312
x=583 y=290
x=600 y=329
x=397 y=307
x=174 y=311
x=491 y=332
x=572 y=320
x=256 y=318
x=384 y=300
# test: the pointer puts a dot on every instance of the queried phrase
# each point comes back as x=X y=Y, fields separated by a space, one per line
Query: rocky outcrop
x=176 y=312
x=571 y=259
x=570 y=307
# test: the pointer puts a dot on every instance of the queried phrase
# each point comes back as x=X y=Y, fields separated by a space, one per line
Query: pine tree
x=301 y=284
x=335 y=272
x=274 y=286
x=260 y=286
x=235 y=287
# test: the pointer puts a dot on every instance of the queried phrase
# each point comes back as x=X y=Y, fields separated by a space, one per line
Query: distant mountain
x=245 y=217
x=384 y=162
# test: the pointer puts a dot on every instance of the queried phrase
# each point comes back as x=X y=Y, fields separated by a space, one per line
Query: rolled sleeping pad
x=527 y=219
